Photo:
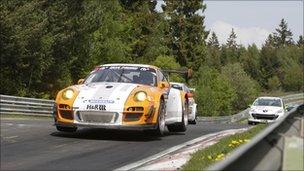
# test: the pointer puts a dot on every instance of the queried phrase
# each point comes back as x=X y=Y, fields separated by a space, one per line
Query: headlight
x=140 y=96
x=280 y=111
x=68 y=94
x=252 y=111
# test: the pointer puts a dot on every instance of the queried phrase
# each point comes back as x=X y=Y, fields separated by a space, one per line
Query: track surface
x=34 y=144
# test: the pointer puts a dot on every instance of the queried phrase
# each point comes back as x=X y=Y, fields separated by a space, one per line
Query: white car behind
x=266 y=109
x=192 y=104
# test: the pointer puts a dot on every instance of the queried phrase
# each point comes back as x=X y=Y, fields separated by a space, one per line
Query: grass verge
x=205 y=157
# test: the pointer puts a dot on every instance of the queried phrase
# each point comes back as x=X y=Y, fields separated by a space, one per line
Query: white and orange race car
x=122 y=96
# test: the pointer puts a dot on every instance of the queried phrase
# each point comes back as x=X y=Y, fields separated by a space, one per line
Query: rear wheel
x=182 y=126
x=251 y=123
x=192 y=122
x=66 y=129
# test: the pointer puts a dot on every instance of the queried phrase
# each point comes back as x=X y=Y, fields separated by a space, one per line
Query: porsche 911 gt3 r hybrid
x=122 y=96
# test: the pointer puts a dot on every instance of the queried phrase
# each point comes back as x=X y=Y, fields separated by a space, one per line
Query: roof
x=269 y=97
x=177 y=83
x=134 y=65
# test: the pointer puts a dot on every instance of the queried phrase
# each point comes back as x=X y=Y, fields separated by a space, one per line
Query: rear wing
x=186 y=73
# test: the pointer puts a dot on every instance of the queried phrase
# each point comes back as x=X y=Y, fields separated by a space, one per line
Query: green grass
x=205 y=157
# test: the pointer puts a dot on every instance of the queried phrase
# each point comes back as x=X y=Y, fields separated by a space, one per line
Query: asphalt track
x=34 y=144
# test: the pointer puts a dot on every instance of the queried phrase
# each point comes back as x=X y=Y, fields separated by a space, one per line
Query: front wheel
x=192 y=122
x=161 y=124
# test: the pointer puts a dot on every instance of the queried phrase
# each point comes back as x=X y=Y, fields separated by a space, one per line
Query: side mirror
x=249 y=106
x=80 y=81
x=192 y=90
x=164 y=84
x=189 y=95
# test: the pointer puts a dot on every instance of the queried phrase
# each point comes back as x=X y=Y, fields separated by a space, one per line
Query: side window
x=162 y=77
x=187 y=89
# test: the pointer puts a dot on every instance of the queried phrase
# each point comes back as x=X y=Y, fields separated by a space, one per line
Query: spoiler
x=186 y=73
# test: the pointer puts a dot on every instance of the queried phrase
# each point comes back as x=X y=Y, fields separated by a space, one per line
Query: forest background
x=48 y=45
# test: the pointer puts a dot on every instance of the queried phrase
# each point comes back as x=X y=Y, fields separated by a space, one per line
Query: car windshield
x=268 y=102
x=176 y=86
x=125 y=74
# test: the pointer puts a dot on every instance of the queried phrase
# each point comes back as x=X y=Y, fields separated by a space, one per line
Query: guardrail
x=25 y=106
x=289 y=99
x=278 y=147
x=41 y=107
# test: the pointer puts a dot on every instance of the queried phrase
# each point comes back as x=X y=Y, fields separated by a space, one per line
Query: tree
x=214 y=94
x=147 y=30
x=274 y=83
x=230 y=52
x=231 y=41
x=246 y=88
x=283 y=35
x=186 y=31
x=168 y=62
x=293 y=79
x=213 y=57
x=250 y=61
x=300 y=41
x=213 y=40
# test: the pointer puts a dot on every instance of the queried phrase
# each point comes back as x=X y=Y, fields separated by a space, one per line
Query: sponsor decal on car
x=99 y=101
x=96 y=107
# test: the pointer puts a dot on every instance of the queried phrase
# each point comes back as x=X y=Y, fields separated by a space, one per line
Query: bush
x=246 y=88
x=293 y=79
x=274 y=83
x=168 y=62
x=214 y=94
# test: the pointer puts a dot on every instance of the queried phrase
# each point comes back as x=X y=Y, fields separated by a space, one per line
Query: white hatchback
x=266 y=109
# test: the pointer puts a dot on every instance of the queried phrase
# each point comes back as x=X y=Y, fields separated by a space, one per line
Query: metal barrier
x=41 y=107
x=25 y=106
x=278 y=147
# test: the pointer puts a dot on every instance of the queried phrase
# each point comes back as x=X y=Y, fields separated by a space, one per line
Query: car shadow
x=115 y=135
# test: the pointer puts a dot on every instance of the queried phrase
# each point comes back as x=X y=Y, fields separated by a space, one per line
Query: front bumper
x=263 y=118
x=108 y=126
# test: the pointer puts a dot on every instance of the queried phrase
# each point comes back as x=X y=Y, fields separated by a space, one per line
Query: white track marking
x=141 y=163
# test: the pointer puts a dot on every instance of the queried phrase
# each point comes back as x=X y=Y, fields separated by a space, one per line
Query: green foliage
x=274 y=83
x=246 y=88
x=186 y=31
x=168 y=62
x=204 y=158
x=294 y=78
x=48 y=45
x=283 y=36
x=214 y=94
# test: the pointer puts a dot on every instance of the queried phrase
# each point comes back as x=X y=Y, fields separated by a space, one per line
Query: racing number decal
x=96 y=107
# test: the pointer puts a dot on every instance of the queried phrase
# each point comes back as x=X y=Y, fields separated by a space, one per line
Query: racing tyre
x=66 y=129
x=193 y=122
x=182 y=126
x=161 y=126
x=251 y=123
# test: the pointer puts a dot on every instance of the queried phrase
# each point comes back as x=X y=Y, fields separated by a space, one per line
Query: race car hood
x=265 y=109
x=103 y=96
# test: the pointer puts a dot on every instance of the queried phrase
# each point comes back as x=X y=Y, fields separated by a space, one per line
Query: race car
x=266 y=109
x=192 y=105
x=122 y=96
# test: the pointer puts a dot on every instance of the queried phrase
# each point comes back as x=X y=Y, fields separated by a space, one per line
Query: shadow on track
x=115 y=135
